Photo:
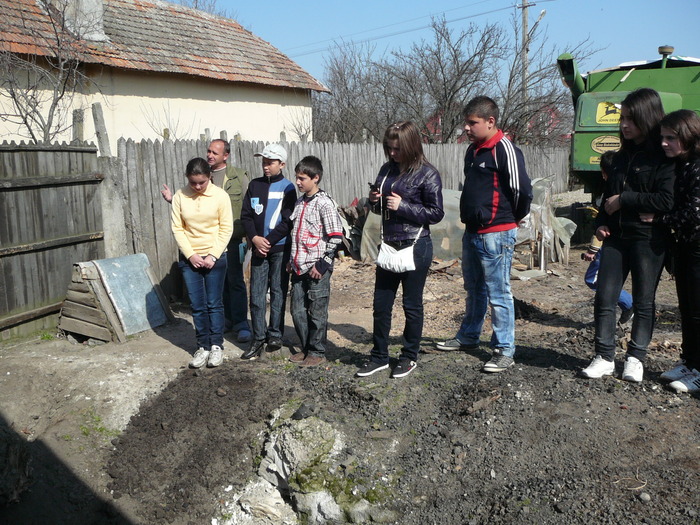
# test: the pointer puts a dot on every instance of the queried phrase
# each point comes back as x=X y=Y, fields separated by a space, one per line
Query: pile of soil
x=446 y=445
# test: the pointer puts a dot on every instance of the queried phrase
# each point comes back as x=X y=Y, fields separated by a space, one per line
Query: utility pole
x=524 y=59
x=524 y=52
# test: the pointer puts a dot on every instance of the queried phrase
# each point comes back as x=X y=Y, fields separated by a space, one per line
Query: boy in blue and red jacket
x=495 y=198
x=267 y=206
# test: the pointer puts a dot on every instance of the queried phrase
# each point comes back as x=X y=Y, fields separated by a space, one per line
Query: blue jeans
x=386 y=285
x=205 y=289
x=310 y=311
x=645 y=261
x=591 y=279
x=268 y=273
x=235 y=293
x=486 y=261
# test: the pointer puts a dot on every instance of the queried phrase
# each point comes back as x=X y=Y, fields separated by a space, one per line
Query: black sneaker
x=405 y=367
x=273 y=344
x=498 y=363
x=255 y=351
x=626 y=315
x=370 y=367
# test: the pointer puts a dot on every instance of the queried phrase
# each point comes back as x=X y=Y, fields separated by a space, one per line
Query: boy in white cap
x=267 y=206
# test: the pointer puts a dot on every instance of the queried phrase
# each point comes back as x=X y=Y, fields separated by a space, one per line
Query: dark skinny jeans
x=644 y=259
x=385 y=287
x=687 y=269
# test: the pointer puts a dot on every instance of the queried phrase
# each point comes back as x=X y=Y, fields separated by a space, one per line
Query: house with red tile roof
x=156 y=65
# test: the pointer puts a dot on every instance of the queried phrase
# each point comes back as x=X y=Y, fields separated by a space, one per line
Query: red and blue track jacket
x=497 y=190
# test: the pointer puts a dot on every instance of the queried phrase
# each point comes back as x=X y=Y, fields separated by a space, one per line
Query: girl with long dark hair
x=641 y=182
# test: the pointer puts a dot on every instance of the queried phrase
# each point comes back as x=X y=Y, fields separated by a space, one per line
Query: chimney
x=85 y=19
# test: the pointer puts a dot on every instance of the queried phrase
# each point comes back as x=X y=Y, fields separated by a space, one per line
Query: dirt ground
x=127 y=434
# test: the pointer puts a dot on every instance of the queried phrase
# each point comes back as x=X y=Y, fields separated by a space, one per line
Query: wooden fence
x=50 y=217
x=347 y=170
x=52 y=207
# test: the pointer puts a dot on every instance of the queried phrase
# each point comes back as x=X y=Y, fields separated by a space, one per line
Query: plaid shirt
x=317 y=233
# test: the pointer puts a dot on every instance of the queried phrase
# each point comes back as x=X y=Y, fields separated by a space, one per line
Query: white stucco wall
x=140 y=105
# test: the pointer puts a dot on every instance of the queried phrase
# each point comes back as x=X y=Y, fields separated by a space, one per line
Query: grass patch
x=94 y=426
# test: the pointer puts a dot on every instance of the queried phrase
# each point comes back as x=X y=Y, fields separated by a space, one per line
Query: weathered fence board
x=50 y=216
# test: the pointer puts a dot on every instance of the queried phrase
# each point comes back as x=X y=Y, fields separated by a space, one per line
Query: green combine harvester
x=597 y=97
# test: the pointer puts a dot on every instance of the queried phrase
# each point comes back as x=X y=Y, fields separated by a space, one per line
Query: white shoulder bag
x=392 y=259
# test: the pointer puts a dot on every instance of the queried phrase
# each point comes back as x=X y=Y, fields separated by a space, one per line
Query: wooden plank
x=79 y=287
x=146 y=201
x=174 y=177
x=134 y=213
x=123 y=153
x=53 y=243
x=84 y=313
x=88 y=271
x=161 y=218
x=13 y=147
x=105 y=303
x=84 y=298
x=77 y=326
x=29 y=315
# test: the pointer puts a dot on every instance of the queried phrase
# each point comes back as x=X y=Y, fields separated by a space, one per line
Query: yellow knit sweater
x=202 y=223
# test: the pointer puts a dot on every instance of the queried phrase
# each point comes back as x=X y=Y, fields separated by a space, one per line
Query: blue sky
x=626 y=29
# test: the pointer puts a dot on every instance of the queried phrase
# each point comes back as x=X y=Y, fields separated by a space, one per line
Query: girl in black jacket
x=641 y=182
x=408 y=194
x=680 y=140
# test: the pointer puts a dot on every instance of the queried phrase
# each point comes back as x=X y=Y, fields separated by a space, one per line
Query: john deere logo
x=607 y=113
x=605 y=143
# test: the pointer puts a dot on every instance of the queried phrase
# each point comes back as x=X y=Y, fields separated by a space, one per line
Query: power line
x=396 y=33
x=343 y=37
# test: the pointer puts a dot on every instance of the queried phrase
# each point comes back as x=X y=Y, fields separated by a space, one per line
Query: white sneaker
x=634 y=370
x=216 y=356
x=200 y=358
x=688 y=383
x=678 y=371
x=598 y=368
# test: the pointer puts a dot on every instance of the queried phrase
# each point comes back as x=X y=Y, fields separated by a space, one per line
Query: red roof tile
x=161 y=37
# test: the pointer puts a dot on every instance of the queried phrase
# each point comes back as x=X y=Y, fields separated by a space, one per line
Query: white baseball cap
x=273 y=152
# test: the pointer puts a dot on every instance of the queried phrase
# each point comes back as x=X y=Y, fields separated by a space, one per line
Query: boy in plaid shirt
x=316 y=236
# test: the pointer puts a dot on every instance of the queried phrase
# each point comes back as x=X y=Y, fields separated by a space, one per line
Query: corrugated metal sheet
x=161 y=37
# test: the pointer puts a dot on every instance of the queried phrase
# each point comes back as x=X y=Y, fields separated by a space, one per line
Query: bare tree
x=535 y=106
x=300 y=123
x=427 y=84
x=435 y=78
x=166 y=123
x=40 y=87
x=431 y=82
x=350 y=112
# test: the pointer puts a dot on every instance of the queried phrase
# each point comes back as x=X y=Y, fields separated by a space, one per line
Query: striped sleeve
x=518 y=179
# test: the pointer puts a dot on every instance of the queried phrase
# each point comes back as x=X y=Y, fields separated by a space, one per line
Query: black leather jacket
x=421 y=201
x=644 y=181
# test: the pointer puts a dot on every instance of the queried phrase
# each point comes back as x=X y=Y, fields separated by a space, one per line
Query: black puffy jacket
x=421 y=201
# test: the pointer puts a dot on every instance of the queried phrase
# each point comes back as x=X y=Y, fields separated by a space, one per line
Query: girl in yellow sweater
x=202 y=223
